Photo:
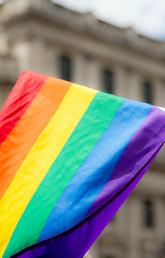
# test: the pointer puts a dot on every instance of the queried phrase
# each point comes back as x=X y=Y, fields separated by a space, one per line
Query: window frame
x=65 y=67
x=147 y=91
x=107 y=74
x=149 y=219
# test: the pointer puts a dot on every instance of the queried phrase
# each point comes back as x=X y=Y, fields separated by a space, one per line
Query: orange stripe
x=22 y=137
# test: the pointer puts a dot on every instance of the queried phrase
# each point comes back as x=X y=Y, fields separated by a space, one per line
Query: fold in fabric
x=69 y=156
x=81 y=237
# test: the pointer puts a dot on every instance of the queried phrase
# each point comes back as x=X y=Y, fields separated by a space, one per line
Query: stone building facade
x=45 y=37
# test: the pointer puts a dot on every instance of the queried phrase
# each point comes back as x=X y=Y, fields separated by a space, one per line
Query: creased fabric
x=69 y=157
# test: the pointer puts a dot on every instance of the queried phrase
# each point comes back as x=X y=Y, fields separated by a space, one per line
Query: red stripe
x=22 y=95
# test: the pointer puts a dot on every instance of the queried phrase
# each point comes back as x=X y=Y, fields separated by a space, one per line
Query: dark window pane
x=147 y=91
x=108 y=81
x=148 y=214
x=65 y=68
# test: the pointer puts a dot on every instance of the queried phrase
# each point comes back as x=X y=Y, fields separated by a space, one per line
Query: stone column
x=78 y=69
x=90 y=72
x=134 y=228
x=95 y=76
x=159 y=92
x=122 y=228
x=127 y=83
x=160 y=214
x=122 y=222
x=133 y=83
x=52 y=60
x=120 y=81
x=33 y=55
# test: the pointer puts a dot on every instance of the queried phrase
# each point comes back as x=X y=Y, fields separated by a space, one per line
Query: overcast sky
x=146 y=16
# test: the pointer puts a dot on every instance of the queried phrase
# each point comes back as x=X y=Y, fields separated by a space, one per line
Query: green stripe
x=83 y=139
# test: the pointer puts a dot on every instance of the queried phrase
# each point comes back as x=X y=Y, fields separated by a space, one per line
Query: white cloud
x=146 y=16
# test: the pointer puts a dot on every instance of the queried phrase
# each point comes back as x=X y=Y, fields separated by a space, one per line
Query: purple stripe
x=92 y=176
x=138 y=152
x=133 y=164
x=76 y=242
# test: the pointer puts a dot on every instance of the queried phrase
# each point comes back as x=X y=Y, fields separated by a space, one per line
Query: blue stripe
x=92 y=176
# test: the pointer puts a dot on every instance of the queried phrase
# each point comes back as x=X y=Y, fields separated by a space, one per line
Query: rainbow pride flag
x=69 y=157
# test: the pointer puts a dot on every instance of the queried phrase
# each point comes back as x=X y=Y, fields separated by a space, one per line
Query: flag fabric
x=69 y=157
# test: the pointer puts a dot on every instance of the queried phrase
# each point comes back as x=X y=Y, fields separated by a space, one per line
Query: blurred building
x=48 y=38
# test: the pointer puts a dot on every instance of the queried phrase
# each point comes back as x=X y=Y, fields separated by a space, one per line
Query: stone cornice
x=81 y=23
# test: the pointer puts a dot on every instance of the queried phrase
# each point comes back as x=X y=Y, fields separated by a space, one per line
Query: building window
x=65 y=68
x=148 y=207
x=108 y=81
x=147 y=92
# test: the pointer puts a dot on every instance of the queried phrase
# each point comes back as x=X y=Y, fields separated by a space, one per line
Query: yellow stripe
x=40 y=158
